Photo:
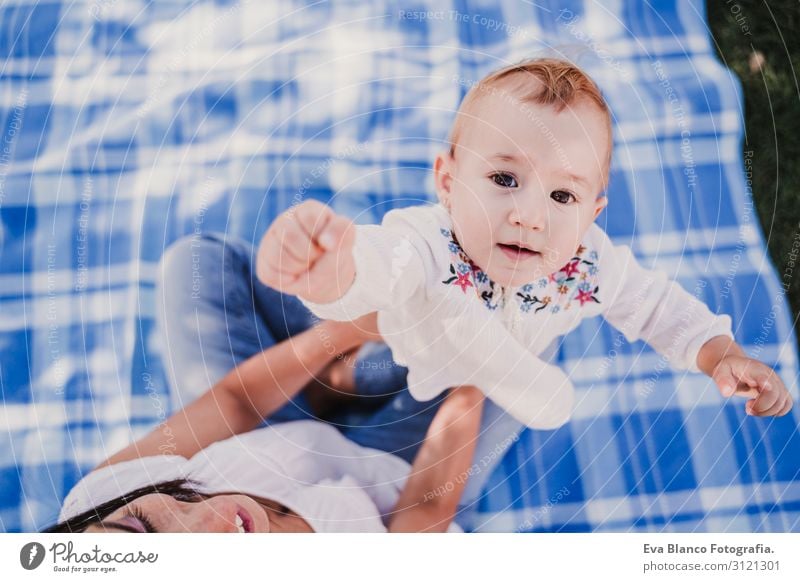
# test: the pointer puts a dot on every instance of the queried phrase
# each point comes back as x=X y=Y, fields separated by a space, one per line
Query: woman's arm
x=250 y=392
x=431 y=495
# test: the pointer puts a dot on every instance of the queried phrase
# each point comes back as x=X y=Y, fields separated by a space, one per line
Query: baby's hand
x=307 y=252
x=752 y=379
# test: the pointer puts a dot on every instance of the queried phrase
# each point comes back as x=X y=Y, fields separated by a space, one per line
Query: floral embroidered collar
x=574 y=283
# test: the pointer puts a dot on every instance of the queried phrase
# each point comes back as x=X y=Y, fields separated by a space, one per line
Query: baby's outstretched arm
x=725 y=362
x=339 y=270
x=645 y=304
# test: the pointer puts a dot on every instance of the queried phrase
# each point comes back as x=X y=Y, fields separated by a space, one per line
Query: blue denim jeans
x=214 y=314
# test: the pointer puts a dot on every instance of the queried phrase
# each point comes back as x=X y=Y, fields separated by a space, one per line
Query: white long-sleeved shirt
x=450 y=324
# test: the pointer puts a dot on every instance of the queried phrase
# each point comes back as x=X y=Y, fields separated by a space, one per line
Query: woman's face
x=225 y=513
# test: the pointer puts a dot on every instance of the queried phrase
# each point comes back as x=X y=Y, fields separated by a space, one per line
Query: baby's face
x=524 y=175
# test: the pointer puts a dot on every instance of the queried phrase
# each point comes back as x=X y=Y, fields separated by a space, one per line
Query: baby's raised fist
x=307 y=251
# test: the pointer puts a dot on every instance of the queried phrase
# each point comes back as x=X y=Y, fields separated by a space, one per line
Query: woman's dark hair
x=180 y=489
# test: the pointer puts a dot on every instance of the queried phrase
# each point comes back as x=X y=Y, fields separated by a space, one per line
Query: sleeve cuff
x=354 y=303
x=720 y=326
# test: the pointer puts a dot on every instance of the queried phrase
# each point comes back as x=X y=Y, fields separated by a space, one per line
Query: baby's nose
x=531 y=215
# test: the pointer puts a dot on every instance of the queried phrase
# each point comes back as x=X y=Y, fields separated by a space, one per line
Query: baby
x=473 y=289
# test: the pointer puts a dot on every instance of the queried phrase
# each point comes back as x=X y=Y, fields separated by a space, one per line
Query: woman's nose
x=216 y=515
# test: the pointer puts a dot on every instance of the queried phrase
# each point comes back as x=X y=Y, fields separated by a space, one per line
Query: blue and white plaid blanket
x=125 y=125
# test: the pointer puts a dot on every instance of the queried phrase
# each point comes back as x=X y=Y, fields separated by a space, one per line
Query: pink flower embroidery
x=463 y=281
x=570 y=268
x=584 y=297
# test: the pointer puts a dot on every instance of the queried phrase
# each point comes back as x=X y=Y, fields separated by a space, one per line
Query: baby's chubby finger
x=786 y=407
x=285 y=250
x=313 y=217
x=276 y=260
x=326 y=228
x=728 y=382
x=335 y=232
x=763 y=404
x=297 y=250
x=332 y=275
x=775 y=409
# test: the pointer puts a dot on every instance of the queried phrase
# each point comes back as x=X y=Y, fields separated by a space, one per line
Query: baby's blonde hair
x=556 y=83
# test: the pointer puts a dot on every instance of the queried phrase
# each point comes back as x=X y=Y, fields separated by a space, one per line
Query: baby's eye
x=504 y=180
x=562 y=196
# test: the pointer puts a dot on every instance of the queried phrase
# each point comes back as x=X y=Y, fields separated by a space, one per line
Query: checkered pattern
x=125 y=125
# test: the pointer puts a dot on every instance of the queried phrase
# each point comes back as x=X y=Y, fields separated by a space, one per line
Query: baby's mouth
x=517 y=252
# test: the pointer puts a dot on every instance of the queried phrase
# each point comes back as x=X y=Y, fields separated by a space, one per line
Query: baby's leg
x=499 y=430
x=397 y=427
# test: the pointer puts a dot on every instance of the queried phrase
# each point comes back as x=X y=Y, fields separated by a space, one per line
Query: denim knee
x=195 y=312
x=196 y=267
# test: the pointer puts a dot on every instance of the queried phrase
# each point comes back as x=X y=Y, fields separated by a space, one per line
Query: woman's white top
x=331 y=482
x=450 y=324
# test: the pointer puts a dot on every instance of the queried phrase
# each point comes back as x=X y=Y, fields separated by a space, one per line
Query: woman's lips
x=516 y=253
x=243 y=521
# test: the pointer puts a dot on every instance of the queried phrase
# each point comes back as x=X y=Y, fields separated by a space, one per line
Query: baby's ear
x=442 y=177
x=601 y=203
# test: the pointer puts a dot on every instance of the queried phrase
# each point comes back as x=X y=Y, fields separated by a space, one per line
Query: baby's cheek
x=552 y=257
x=566 y=247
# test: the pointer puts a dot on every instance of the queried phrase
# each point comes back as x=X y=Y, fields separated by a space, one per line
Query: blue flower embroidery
x=556 y=309
x=453 y=247
x=542 y=283
x=445 y=232
x=526 y=306
x=464 y=268
x=481 y=277
x=527 y=288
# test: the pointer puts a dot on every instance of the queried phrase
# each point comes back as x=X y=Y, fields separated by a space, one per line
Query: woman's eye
x=504 y=180
x=137 y=513
x=562 y=197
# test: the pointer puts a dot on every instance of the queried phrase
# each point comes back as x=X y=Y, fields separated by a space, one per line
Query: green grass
x=772 y=116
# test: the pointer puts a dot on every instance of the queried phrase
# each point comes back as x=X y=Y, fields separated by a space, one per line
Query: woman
x=299 y=476
x=214 y=316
